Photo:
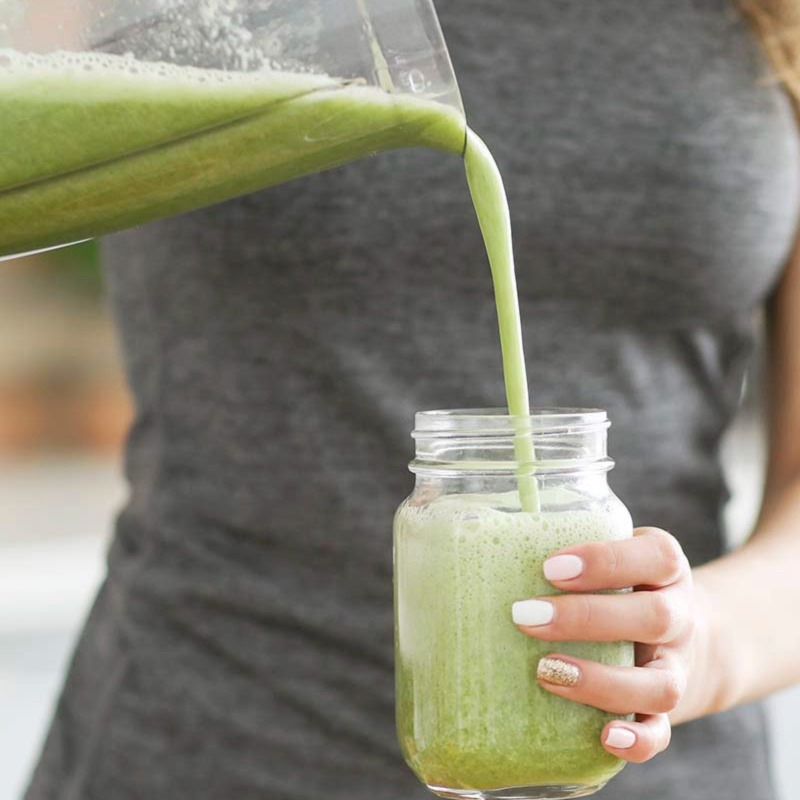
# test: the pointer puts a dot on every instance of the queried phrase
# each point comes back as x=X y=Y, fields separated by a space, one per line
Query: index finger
x=652 y=558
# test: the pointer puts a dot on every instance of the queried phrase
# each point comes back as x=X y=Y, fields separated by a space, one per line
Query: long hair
x=777 y=23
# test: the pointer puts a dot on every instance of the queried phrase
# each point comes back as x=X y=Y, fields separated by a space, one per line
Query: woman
x=278 y=346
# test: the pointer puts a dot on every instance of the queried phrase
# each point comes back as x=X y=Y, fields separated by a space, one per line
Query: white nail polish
x=563 y=568
x=532 y=612
x=620 y=738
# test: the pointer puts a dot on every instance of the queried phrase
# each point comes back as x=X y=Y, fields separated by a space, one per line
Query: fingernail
x=563 y=568
x=554 y=670
x=532 y=612
x=620 y=738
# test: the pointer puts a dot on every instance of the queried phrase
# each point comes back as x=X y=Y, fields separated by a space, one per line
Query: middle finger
x=655 y=688
x=656 y=617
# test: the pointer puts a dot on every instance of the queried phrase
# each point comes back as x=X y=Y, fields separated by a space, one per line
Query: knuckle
x=670 y=555
x=672 y=690
x=613 y=558
x=583 y=612
x=650 y=531
x=665 y=619
x=642 y=753
x=662 y=735
x=654 y=740
x=573 y=616
x=689 y=627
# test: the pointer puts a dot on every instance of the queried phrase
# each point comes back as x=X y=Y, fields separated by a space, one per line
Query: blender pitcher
x=117 y=112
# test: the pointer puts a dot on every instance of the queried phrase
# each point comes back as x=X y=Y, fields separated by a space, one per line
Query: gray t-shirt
x=278 y=346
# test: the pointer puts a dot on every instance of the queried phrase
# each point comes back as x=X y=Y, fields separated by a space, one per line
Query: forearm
x=753 y=601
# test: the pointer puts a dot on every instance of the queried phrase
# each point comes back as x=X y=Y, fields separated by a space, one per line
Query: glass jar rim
x=497 y=421
x=485 y=441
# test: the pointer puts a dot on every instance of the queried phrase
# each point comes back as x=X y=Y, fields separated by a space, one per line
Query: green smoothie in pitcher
x=93 y=143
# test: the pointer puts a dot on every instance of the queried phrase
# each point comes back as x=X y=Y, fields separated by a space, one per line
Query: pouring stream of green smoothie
x=90 y=144
x=491 y=206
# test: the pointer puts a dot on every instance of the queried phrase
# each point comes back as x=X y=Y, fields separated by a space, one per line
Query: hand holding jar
x=666 y=618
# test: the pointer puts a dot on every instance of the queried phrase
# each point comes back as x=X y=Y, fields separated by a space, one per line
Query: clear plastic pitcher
x=116 y=112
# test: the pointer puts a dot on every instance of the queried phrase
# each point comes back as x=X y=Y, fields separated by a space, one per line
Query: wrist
x=721 y=671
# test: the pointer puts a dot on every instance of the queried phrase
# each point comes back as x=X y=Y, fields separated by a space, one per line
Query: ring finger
x=652 y=689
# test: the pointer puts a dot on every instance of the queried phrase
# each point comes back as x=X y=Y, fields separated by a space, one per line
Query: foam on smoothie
x=472 y=714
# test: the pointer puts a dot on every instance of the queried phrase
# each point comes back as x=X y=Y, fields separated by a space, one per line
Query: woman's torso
x=278 y=346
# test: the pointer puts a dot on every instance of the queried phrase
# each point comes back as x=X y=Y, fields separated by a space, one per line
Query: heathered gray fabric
x=279 y=345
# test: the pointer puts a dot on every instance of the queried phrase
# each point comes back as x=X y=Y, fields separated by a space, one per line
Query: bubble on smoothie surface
x=200 y=40
x=222 y=34
x=14 y=64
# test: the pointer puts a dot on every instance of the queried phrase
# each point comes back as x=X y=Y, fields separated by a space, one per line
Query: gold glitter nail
x=554 y=670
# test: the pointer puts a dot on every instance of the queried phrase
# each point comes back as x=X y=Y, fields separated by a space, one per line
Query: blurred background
x=64 y=411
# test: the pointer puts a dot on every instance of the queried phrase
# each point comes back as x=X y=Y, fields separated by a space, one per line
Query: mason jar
x=471 y=718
